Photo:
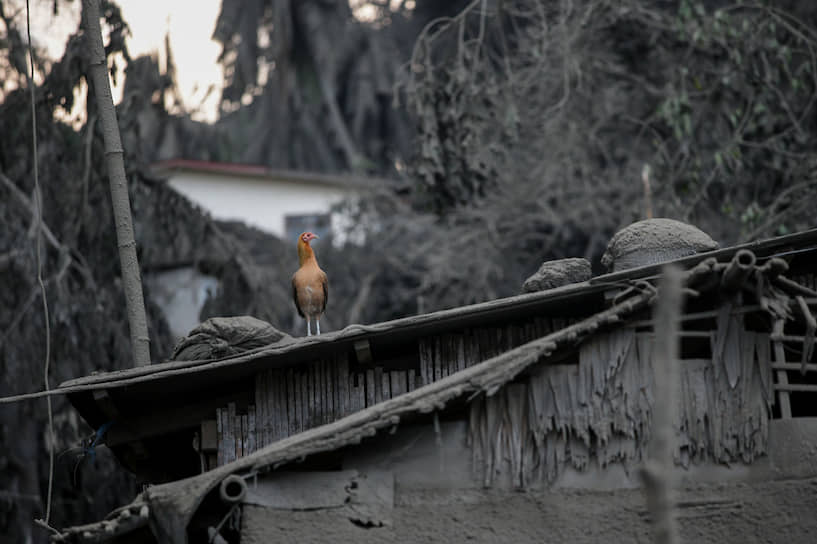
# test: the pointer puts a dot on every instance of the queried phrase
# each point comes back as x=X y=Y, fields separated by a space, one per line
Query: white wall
x=259 y=202
x=180 y=293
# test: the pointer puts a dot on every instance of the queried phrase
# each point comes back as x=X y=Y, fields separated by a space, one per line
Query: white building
x=281 y=202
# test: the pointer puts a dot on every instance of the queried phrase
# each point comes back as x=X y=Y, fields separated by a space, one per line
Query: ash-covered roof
x=172 y=505
x=172 y=375
x=303 y=348
x=168 y=166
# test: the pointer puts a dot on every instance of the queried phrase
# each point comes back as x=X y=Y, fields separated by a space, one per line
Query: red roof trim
x=254 y=170
x=210 y=166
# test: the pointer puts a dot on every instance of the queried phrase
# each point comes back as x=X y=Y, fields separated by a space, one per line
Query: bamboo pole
x=779 y=357
x=131 y=281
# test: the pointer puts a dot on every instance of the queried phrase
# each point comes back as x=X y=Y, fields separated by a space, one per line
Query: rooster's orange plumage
x=310 y=288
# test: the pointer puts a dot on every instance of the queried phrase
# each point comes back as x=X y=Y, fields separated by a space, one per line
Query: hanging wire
x=39 y=211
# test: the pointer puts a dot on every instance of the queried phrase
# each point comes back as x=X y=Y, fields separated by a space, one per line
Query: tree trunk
x=131 y=280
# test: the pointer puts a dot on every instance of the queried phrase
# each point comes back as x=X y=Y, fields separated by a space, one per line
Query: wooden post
x=461 y=364
x=299 y=415
x=220 y=436
x=360 y=400
x=424 y=347
x=321 y=392
x=385 y=385
x=291 y=413
x=398 y=383
x=657 y=471
x=260 y=409
x=229 y=433
x=244 y=425
x=378 y=385
x=280 y=415
x=330 y=374
x=343 y=385
x=808 y=339
x=128 y=261
x=251 y=430
x=370 y=391
x=782 y=377
x=437 y=359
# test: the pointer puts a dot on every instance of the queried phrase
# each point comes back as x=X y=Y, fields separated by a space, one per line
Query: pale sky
x=191 y=24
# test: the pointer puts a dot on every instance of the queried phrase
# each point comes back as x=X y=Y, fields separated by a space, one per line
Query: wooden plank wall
x=292 y=400
x=443 y=355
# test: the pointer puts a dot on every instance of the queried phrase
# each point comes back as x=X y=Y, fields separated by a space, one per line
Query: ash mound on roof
x=556 y=273
x=642 y=243
x=654 y=241
x=224 y=336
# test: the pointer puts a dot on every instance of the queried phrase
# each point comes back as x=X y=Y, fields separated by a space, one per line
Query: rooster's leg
x=318 y=324
x=308 y=327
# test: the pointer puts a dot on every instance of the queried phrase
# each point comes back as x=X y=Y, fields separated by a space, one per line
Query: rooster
x=310 y=288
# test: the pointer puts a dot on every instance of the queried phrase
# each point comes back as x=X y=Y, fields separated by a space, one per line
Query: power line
x=38 y=198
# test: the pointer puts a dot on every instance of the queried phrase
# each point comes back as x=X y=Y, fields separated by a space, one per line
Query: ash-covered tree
x=308 y=85
x=88 y=326
x=537 y=121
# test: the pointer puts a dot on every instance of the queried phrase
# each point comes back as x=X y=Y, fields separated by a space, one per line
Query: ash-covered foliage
x=81 y=273
x=309 y=86
x=539 y=122
x=88 y=326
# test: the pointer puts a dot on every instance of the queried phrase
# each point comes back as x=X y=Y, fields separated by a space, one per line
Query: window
x=319 y=223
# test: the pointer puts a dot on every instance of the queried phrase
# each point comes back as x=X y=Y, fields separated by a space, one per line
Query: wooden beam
x=739 y=310
x=793 y=287
x=794 y=366
x=808 y=340
x=808 y=387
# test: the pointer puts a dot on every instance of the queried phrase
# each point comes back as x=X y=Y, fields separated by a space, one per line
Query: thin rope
x=39 y=211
